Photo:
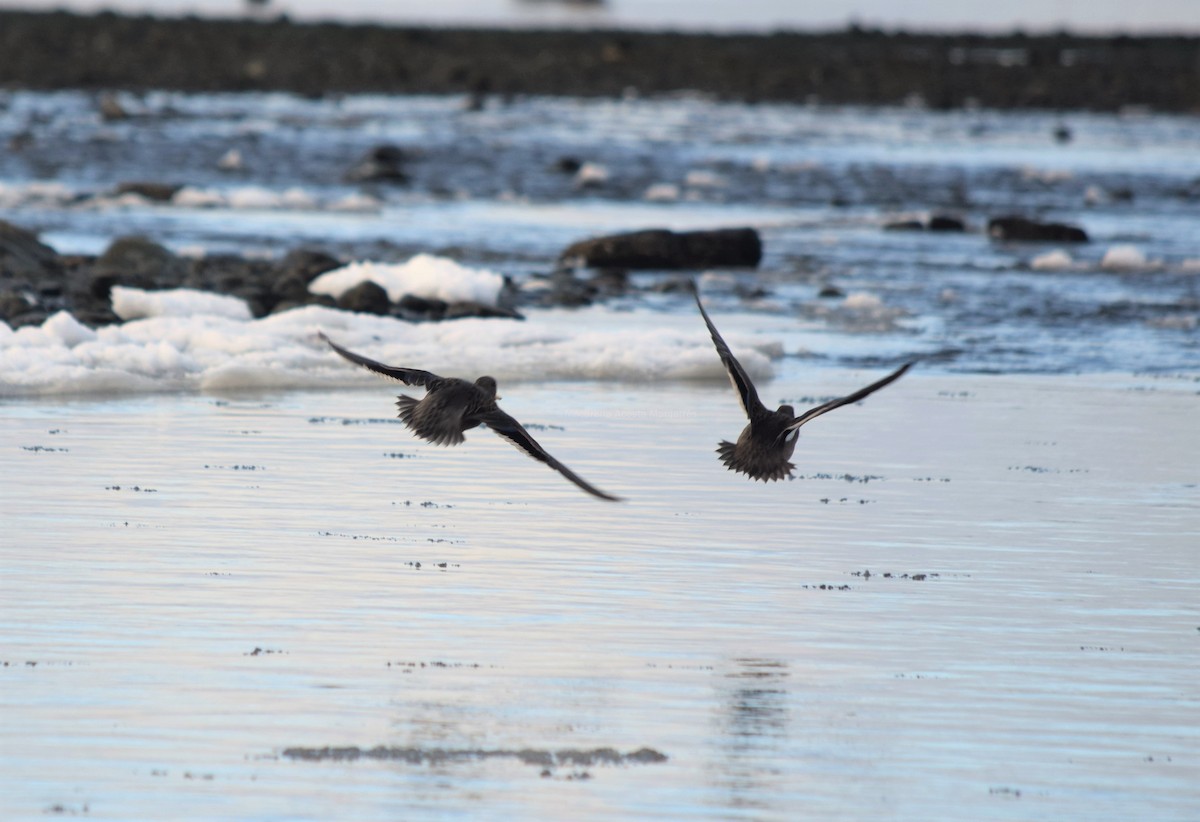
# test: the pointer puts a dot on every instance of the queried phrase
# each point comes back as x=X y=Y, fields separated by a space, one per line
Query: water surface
x=196 y=584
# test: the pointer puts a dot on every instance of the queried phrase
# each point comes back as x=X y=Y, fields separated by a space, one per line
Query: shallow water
x=819 y=184
x=196 y=584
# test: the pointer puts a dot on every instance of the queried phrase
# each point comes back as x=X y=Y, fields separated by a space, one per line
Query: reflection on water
x=1022 y=647
x=753 y=725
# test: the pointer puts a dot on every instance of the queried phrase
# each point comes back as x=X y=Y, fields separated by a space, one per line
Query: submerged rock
x=155 y=192
x=382 y=164
x=1021 y=229
x=937 y=222
x=663 y=249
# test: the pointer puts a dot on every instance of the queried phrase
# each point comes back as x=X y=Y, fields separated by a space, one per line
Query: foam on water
x=425 y=275
x=193 y=341
x=136 y=304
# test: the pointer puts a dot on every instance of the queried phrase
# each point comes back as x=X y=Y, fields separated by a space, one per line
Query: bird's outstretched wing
x=747 y=395
x=408 y=376
x=813 y=413
x=514 y=432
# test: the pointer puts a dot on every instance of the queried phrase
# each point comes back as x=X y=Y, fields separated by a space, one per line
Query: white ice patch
x=425 y=275
x=862 y=301
x=136 y=304
x=662 y=193
x=591 y=174
x=203 y=352
x=1124 y=258
x=1056 y=260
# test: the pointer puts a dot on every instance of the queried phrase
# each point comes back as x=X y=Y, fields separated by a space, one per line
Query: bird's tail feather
x=765 y=472
x=406 y=405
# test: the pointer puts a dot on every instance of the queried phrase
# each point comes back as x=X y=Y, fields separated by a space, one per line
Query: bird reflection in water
x=753 y=724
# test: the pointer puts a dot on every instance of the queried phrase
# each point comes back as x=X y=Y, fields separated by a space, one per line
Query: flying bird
x=765 y=445
x=451 y=406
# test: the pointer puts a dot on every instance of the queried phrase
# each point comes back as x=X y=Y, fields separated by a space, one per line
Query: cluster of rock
x=35 y=281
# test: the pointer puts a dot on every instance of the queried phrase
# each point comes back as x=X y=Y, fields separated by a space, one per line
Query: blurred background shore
x=851 y=65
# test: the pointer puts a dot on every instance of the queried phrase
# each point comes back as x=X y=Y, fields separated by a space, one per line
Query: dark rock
x=568 y=165
x=14 y=304
x=466 y=308
x=830 y=292
x=367 y=297
x=938 y=222
x=137 y=262
x=382 y=164
x=610 y=282
x=412 y=307
x=95 y=315
x=1062 y=134
x=565 y=290
x=904 y=225
x=672 y=285
x=944 y=222
x=662 y=249
x=312 y=299
x=296 y=270
x=156 y=192
x=110 y=107
x=24 y=257
x=34 y=316
x=249 y=280
x=1020 y=229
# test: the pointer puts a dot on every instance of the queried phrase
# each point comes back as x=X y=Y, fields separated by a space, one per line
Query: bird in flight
x=765 y=445
x=451 y=406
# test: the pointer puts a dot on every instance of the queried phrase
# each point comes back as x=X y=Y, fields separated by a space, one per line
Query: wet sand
x=979 y=594
x=860 y=66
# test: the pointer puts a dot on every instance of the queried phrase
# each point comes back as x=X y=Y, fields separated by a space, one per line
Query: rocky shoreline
x=36 y=281
x=59 y=50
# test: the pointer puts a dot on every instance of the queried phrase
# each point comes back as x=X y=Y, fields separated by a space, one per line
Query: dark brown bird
x=451 y=406
x=765 y=445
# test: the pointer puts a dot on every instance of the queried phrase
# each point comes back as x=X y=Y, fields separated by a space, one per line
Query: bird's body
x=763 y=450
x=451 y=406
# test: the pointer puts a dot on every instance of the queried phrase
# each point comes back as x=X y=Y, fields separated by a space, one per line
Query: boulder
x=413 y=307
x=937 y=222
x=469 y=308
x=155 y=192
x=663 y=249
x=367 y=297
x=137 y=262
x=295 y=271
x=944 y=222
x=904 y=225
x=1021 y=229
x=23 y=257
x=382 y=164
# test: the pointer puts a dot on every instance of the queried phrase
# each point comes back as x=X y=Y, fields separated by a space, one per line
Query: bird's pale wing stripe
x=746 y=392
x=514 y=432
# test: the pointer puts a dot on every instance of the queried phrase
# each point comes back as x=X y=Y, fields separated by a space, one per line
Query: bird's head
x=488 y=386
x=786 y=409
